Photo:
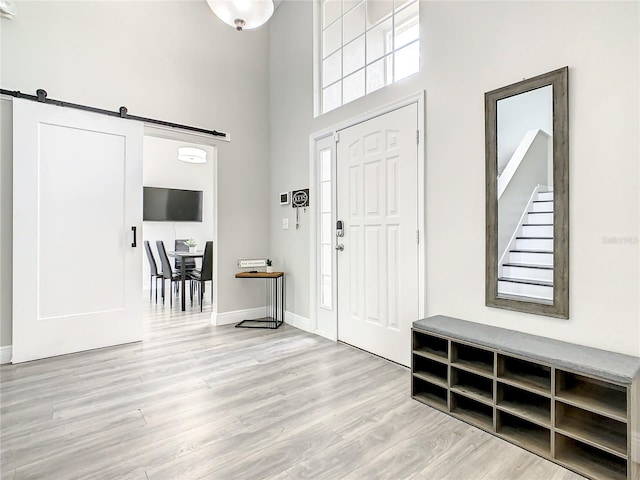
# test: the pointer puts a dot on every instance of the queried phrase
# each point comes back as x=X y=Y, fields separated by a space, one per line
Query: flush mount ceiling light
x=242 y=14
x=192 y=155
x=7 y=9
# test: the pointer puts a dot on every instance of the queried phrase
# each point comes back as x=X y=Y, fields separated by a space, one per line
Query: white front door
x=377 y=192
x=77 y=193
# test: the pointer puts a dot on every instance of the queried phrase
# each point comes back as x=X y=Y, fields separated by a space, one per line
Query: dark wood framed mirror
x=527 y=195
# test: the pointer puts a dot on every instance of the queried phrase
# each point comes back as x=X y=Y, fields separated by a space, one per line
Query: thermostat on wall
x=284 y=198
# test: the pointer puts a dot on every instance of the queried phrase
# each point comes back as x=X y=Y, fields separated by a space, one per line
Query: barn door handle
x=133 y=230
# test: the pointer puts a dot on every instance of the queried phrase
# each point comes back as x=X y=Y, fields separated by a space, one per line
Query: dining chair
x=189 y=263
x=153 y=267
x=205 y=274
x=167 y=271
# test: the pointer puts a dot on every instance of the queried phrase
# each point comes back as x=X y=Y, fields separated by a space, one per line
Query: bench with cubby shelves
x=574 y=405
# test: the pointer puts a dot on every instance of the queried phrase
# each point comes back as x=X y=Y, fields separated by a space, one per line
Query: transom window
x=365 y=45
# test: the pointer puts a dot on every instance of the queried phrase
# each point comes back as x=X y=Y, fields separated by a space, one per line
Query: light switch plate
x=285 y=224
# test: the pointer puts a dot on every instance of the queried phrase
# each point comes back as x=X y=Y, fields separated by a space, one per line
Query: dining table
x=183 y=272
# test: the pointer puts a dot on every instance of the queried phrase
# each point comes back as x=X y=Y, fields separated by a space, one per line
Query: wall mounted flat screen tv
x=172 y=205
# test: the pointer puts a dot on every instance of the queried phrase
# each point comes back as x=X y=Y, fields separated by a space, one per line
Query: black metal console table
x=275 y=299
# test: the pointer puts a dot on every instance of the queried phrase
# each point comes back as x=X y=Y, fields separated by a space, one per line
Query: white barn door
x=377 y=192
x=77 y=193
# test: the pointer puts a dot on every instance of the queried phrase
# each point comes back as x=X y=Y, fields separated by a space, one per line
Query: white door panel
x=77 y=193
x=377 y=179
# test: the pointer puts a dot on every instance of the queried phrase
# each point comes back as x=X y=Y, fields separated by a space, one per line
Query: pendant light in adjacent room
x=192 y=155
x=242 y=14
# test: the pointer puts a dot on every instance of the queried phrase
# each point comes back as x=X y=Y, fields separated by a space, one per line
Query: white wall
x=171 y=60
x=161 y=168
x=467 y=49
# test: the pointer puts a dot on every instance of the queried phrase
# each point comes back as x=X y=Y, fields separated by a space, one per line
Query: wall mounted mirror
x=527 y=195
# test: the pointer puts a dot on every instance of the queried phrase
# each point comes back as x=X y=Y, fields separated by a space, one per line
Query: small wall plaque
x=252 y=262
x=300 y=198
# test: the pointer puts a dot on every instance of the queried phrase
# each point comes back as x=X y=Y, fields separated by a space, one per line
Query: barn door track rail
x=41 y=96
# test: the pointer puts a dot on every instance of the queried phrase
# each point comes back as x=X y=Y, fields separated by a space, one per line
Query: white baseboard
x=298 y=321
x=5 y=354
x=227 y=318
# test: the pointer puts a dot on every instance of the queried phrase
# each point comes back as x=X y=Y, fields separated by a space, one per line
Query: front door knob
x=340 y=247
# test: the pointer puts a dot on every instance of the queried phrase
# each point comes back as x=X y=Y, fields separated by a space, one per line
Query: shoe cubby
x=525 y=374
x=589 y=461
x=476 y=387
x=529 y=435
x=473 y=359
x=472 y=411
x=573 y=405
x=430 y=346
x=605 y=398
x=430 y=371
x=591 y=428
x=429 y=393
x=525 y=404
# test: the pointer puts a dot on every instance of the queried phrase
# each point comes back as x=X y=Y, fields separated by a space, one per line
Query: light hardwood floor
x=196 y=401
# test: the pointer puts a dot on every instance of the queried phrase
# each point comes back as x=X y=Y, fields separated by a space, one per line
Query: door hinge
x=336 y=136
x=417 y=236
x=418 y=137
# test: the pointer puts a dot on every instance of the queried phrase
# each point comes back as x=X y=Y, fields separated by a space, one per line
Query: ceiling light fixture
x=242 y=14
x=192 y=155
x=8 y=9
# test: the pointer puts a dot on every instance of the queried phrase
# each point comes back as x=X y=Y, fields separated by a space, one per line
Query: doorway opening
x=162 y=168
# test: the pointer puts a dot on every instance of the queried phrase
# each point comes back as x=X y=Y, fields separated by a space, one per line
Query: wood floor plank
x=6 y=473
x=281 y=476
x=408 y=455
x=125 y=398
x=466 y=456
x=161 y=442
x=67 y=387
x=363 y=445
x=280 y=455
x=195 y=401
x=49 y=439
x=521 y=465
